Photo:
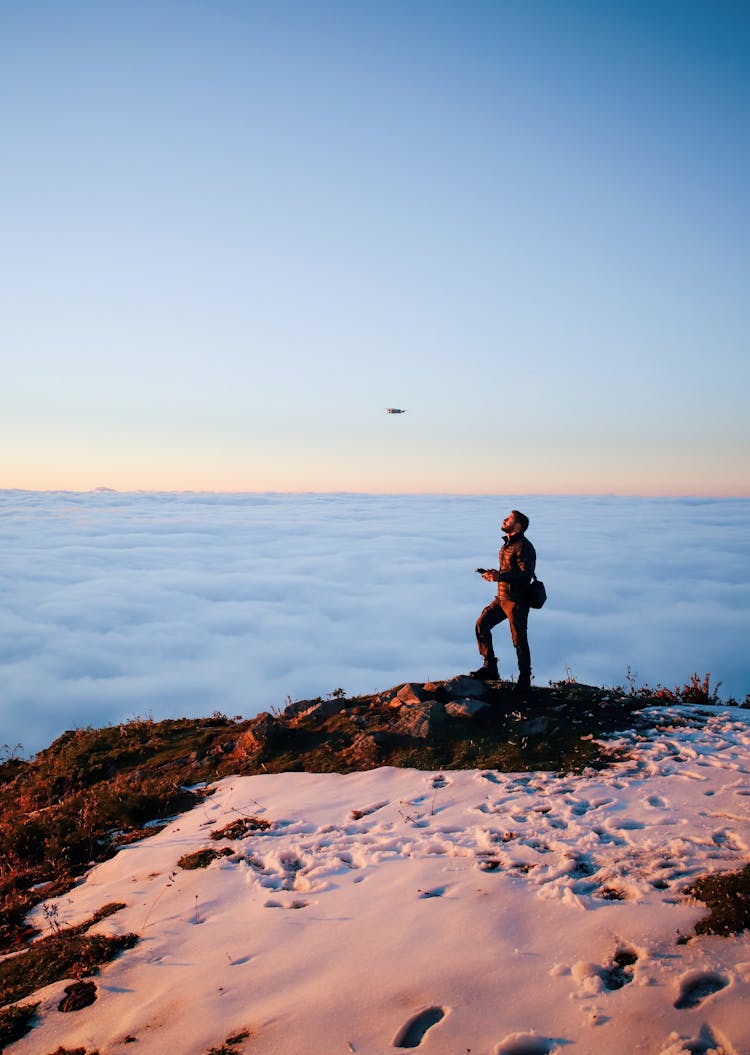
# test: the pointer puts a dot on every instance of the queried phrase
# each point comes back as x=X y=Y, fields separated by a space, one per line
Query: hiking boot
x=522 y=688
x=487 y=672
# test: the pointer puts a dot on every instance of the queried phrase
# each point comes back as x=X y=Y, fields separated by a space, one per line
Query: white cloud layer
x=170 y=605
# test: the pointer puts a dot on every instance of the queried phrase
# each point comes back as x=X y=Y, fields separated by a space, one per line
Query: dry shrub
x=201 y=858
x=241 y=827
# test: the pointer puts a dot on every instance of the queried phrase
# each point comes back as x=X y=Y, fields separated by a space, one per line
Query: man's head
x=515 y=523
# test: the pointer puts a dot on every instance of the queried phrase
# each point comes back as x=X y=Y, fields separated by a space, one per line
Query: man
x=517 y=563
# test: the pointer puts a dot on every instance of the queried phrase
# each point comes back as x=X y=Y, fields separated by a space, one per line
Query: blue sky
x=235 y=232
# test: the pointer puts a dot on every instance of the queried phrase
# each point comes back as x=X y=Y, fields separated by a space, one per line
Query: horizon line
x=102 y=490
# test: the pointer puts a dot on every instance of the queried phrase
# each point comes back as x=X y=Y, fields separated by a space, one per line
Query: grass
x=95 y=790
x=240 y=828
x=727 y=895
x=202 y=858
x=696 y=690
x=73 y=1051
x=15 y=1022
x=90 y=792
x=66 y=953
x=230 y=1044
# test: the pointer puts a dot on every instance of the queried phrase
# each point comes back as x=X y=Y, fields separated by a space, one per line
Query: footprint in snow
x=726 y=837
x=620 y=973
x=579 y=807
x=708 y=1042
x=581 y=867
x=695 y=987
x=525 y=1044
x=291 y=905
x=412 y=1032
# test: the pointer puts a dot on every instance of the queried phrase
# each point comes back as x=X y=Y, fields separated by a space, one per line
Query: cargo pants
x=517 y=615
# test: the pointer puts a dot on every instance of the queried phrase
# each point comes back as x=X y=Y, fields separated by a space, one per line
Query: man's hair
x=522 y=519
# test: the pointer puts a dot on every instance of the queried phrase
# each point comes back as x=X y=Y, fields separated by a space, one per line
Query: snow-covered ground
x=457 y=912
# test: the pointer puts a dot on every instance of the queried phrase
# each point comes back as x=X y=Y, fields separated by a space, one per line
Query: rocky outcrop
x=468 y=707
x=264 y=734
x=364 y=752
x=420 y=720
x=460 y=721
x=318 y=710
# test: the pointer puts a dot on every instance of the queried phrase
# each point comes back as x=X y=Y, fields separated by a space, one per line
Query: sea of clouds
x=117 y=605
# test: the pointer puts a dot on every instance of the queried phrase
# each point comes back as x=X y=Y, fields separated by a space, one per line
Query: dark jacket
x=517 y=564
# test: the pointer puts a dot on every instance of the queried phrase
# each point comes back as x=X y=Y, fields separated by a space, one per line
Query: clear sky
x=234 y=232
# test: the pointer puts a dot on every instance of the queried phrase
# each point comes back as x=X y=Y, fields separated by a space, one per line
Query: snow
x=467 y=911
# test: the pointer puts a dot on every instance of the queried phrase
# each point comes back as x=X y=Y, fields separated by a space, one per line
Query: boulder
x=467 y=708
x=409 y=694
x=262 y=735
x=421 y=720
x=536 y=726
x=363 y=751
x=463 y=686
x=316 y=709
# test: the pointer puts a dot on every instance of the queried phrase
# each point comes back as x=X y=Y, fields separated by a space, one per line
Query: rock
x=421 y=720
x=409 y=694
x=468 y=708
x=263 y=734
x=462 y=685
x=319 y=709
x=535 y=726
x=363 y=751
x=77 y=996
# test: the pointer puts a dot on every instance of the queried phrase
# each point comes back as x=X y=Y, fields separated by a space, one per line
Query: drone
x=394 y=410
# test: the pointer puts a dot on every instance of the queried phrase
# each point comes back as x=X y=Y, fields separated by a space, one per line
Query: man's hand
x=490 y=576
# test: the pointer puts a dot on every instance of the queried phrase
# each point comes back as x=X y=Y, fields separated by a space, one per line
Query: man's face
x=510 y=524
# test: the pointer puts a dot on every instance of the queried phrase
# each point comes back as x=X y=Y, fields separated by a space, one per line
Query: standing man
x=517 y=563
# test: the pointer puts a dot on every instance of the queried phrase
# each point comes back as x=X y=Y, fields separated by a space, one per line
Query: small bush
x=696 y=690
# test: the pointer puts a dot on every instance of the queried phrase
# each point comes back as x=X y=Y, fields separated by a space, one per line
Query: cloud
x=115 y=605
